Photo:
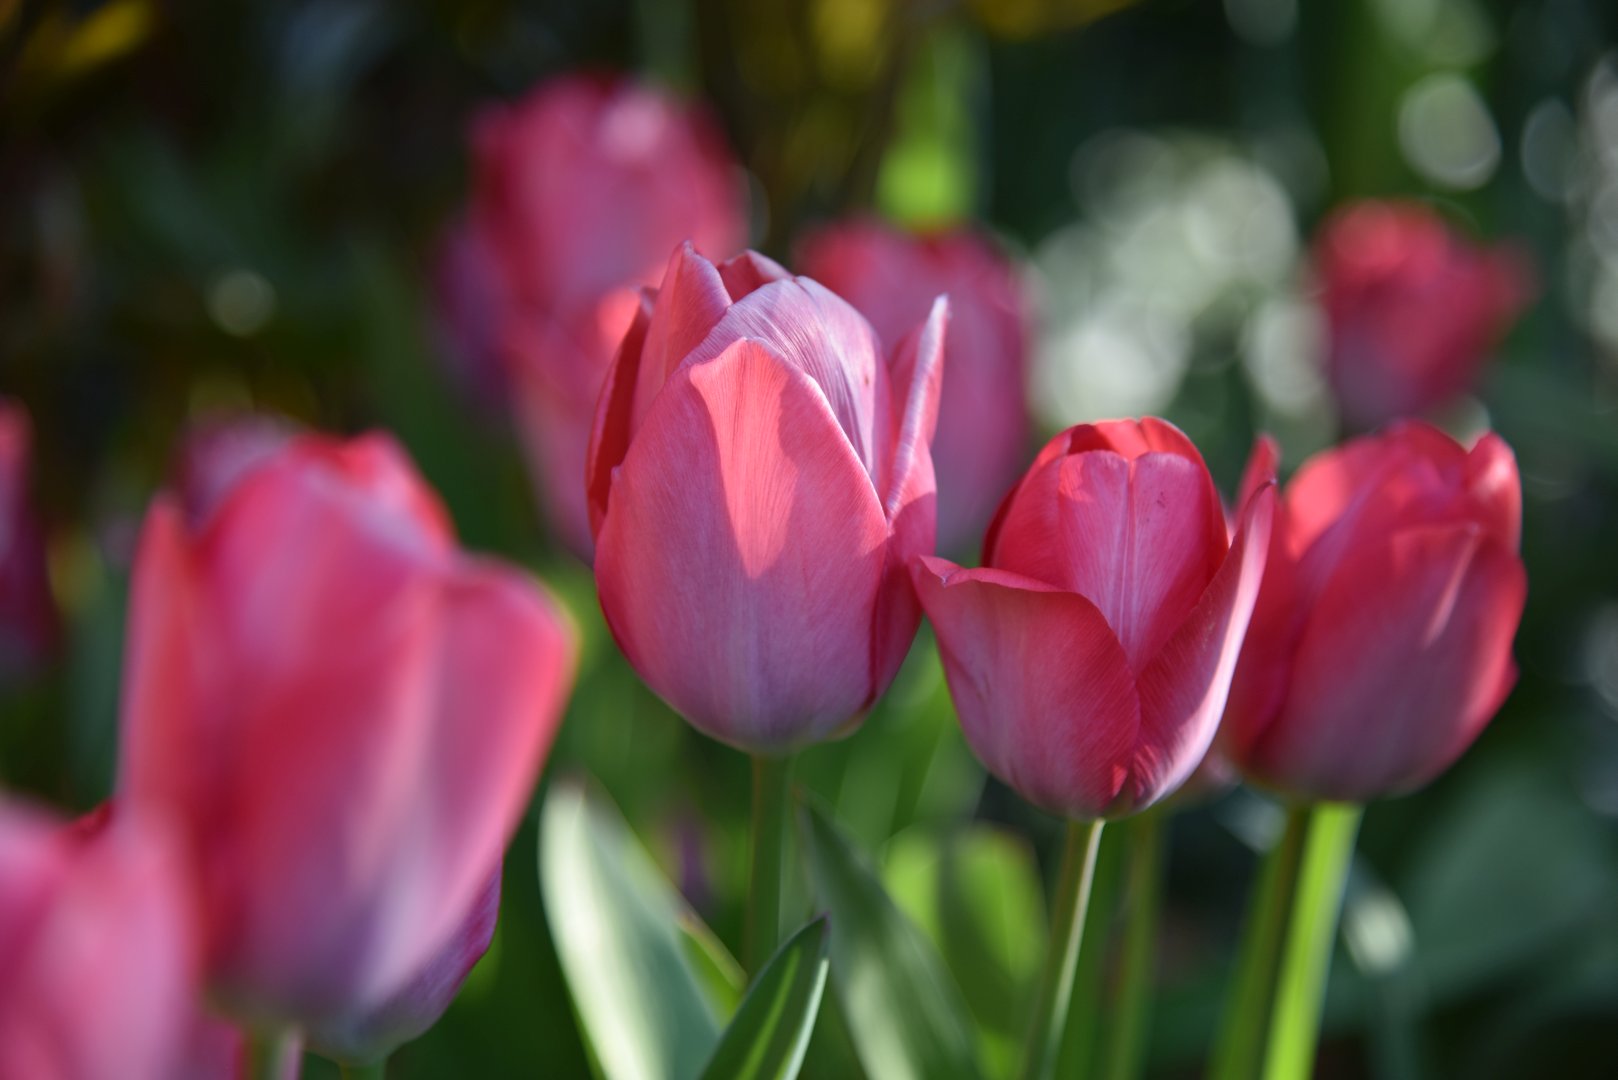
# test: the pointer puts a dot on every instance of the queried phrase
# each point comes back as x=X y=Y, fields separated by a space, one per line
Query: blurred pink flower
x=341 y=712
x=29 y=625
x=983 y=429
x=580 y=192
x=1412 y=308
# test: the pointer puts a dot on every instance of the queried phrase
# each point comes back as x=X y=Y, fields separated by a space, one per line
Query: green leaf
x=904 y=1013
x=768 y=1037
x=645 y=1010
x=977 y=895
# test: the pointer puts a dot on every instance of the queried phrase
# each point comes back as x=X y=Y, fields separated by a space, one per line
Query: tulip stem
x=270 y=1052
x=1062 y=958
x=1305 y=961
x=1143 y=854
x=375 y=1070
x=1240 y=1046
x=771 y=778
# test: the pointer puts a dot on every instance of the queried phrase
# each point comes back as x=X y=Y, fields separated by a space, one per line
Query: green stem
x=771 y=777
x=1067 y=930
x=1144 y=852
x=1081 y=1038
x=1239 y=1050
x=375 y=1070
x=271 y=1052
x=1305 y=962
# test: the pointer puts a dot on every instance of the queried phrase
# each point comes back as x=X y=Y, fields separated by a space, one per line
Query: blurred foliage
x=207 y=206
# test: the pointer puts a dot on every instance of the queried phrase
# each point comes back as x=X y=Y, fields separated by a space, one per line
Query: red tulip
x=1090 y=657
x=342 y=714
x=759 y=475
x=892 y=279
x=29 y=626
x=96 y=940
x=581 y=190
x=372 y=1034
x=1412 y=308
x=1381 y=644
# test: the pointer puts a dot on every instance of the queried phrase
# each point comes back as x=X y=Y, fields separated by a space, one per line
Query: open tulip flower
x=340 y=712
x=1381 y=644
x=1089 y=658
x=759 y=475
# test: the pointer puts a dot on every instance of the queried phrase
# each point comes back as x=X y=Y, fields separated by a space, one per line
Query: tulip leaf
x=645 y=1009
x=770 y=1033
x=905 y=1015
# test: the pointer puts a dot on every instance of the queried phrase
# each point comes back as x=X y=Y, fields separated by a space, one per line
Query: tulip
x=1381 y=644
x=29 y=625
x=341 y=713
x=892 y=278
x=580 y=191
x=1090 y=657
x=371 y=1035
x=471 y=300
x=759 y=475
x=99 y=954
x=1412 y=308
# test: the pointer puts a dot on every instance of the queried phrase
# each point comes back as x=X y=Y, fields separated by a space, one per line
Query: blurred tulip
x=1381 y=644
x=580 y=192
x=892 y=278
x=471 y=301
x=373 y=1034
x=99 y=957
x=341 y=712
x=759 y=475
x=1412 y=308
x=29 y=626
x=1090 y=657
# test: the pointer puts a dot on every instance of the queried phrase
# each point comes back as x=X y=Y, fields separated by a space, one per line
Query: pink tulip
x=1381 y=644
x=342 y=714
x=892 y=279
x=1090 y=657
x=1412 y=308
x=29 y=627
x=96 y=941
x=471 y=301
x=581 y=190
x=372 y=1034
x=759 y=475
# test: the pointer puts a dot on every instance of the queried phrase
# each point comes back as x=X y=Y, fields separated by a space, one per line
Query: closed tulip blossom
x=580 y=191
x=1381 y=644
x=98 y=949
x=1090 y=656
x=759 y=475
x=892 y=278
x=1412 y=308
x=340 y=712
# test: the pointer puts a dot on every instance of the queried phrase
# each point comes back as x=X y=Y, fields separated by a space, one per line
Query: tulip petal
x=741 y=552
x=1184 y=689
x=749 y=272
x=1405 y=658
x=918 y=375
x=1496 y=488
x=1139 y=538
x=818 y=333
x=1043 y=689
x=610 y=435
x=690 y=302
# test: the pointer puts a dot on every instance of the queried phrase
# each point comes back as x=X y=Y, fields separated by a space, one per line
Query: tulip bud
x=1381 y=644
x=580 y=191
x=1412 y=308
x=759 y=474
x=892 y=278
x=28 y=620
x=341 y=713
x=98 y=949
x=373 y=1034
x=1090 y=657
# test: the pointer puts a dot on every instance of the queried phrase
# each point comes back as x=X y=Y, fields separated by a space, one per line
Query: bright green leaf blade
x=904 y=1013
x=642 y=1005
x=768 y=1037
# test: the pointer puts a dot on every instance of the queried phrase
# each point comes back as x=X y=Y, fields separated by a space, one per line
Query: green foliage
x=769 y=1035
